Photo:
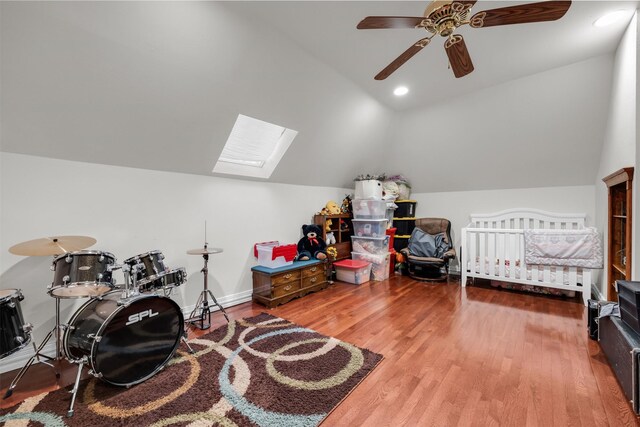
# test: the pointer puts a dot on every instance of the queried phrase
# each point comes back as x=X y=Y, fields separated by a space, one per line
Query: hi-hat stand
x=200 y=317
x=55 y=332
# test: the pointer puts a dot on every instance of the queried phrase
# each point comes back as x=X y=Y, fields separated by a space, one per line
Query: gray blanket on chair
x=426 y=245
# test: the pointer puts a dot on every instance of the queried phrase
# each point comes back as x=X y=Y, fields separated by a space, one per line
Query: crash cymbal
x=204 y=251
x=56 y=245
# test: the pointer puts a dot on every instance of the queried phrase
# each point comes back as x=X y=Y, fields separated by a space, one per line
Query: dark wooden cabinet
x=341 y=228
x=274 y=286
x=619 y=229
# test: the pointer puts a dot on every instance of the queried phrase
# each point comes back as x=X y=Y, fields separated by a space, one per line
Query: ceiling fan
x=444 y=17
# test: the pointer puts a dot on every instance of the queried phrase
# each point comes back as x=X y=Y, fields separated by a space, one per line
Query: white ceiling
x=158 y=85
x=327 y=29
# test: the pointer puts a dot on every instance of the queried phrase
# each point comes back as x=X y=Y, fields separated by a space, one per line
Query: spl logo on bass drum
x=137 y=317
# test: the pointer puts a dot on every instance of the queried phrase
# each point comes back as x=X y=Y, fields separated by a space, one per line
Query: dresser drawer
x=285 y=289
x=312 y=271
x=282 y=278
x=314 y=280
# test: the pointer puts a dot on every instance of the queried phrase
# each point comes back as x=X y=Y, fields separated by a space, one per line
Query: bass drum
x=125 y=344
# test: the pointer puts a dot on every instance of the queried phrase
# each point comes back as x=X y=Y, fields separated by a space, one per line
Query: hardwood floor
x=452 y=356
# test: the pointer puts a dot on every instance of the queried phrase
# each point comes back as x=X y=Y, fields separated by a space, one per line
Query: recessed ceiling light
x=400 y=91
x=610 y=18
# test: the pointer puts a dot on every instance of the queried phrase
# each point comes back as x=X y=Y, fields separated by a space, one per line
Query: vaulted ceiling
x=159 y=86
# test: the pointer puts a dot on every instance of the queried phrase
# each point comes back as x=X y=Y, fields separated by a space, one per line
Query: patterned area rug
x=258 y=371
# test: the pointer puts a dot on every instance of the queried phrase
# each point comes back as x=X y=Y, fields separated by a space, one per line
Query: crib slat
x=512 y=260
x=473 y=261
x=573 y=276
x=491 y=253
x=481 y=252
x=500 y=254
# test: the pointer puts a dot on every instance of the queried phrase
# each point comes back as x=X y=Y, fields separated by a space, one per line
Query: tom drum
x=82 y=274
x=14 y=333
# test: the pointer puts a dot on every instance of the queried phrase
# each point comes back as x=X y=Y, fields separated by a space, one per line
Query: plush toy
x=327 y=223
x=333 y=208
x=346 y=204
x=331 y=239
x=311 y=245
x=390 y=190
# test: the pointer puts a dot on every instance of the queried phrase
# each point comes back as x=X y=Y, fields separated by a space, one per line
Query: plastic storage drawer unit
x=353 y=271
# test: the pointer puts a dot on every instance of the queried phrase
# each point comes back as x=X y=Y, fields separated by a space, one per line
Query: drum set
x=124 y=333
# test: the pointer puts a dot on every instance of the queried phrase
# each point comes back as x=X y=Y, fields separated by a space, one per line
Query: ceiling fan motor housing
x=445 y=17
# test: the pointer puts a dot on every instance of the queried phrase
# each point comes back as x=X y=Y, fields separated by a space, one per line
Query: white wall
x=132 y=211
x=541 y=130
x=458 y=206
x=619 y=145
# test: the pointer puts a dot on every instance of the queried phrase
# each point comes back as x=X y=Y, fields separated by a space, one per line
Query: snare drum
x=150 y=269
x=14 y=333
x=82 y=274
x=127 y=341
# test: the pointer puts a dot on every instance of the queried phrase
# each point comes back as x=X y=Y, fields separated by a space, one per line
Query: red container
x=391 y=232
x=392 y=261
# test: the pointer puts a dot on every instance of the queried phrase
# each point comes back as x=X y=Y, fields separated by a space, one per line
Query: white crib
x=493 y=249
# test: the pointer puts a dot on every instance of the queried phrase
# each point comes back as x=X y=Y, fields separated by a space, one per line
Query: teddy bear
x=331 y=238
x=311 y=245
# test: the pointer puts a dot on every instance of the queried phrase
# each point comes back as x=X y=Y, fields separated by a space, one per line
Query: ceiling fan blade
x=521 y=14
x=458 y=56
x=404 y=57
x=380 y=22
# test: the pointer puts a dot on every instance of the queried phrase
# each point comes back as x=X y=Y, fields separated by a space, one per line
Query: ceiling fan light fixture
x=401 y=91
x=610 y=18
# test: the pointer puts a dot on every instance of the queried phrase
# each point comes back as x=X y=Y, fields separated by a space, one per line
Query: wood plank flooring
x=452 y=357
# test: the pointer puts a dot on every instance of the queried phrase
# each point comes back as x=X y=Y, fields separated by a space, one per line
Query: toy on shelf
x=346 y=204
x=331 y=208
x=311 y=245
x=331 y=238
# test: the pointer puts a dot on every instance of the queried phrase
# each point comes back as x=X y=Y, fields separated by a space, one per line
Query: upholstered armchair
x=430 y=249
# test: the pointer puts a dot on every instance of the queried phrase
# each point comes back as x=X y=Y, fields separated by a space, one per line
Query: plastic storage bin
x=404 y=226
x=369 y=209
x=371 y=245
x=272 y=255
x=369 y=189
x=353 y=271
x=406 y=208
x=369 y=227
x=379 y=264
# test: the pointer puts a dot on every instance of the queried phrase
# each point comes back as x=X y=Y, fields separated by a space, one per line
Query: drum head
x=7 y=294
x=138 y=340
x=80 y=290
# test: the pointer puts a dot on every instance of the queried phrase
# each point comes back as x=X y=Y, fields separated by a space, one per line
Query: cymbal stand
x=38 y=353
x=201 y=313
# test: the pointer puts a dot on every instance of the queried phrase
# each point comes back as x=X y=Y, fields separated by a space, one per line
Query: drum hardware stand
x=74 y=391
x=202 y=306
x=38 y=353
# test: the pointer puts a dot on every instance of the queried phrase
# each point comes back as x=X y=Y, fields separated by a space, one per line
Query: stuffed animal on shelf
x=346 y=204
x=311 y=245
x=333 y=208
x=331 y=239
x=327 y=222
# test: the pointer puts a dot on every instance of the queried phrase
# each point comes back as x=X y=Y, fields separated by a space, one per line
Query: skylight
x=254 y=148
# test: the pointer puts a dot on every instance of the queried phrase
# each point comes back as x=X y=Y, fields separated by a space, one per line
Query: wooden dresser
x=273 y=286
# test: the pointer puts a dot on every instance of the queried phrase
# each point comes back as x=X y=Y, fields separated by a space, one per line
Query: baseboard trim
x=20 y=358
x=595 y=291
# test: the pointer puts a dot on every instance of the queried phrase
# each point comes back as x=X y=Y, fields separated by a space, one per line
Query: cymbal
x=55 y=245
x=204 y=251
